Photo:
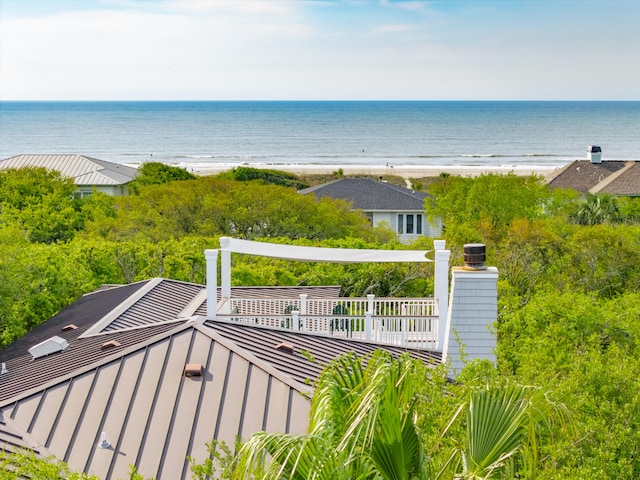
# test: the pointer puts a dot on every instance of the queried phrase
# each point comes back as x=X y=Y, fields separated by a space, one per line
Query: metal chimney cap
x=475 y=256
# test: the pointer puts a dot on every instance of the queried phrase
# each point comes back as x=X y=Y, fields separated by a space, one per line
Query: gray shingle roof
x=368 y=195
x=625 y=181
x=85 y=171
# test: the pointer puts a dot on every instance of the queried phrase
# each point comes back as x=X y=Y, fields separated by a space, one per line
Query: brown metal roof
x=84 y=312
x=152 y=414
x=129 y=381
x=25 y=373
x=163 y=302
x=13 y=438
x=125 y=314
x=312 y=352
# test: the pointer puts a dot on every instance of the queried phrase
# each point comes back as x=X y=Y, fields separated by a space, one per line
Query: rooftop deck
x=409 y=322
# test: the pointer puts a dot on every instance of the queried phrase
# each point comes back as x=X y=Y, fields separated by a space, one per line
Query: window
x=409 y=223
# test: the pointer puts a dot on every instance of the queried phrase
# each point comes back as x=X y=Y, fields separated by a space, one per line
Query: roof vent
x=474 y=256
x=71 y=326
x=52 y=345
x=109 y=344
x=285 y=347
x=104 y=443
x=4 y=369
x=193 y=370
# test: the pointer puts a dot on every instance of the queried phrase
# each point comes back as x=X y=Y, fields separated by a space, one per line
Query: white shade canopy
x=321 y=254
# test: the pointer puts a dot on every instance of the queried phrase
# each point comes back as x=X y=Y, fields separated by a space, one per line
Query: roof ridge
x=611 y=178
x=105 y=321
x=194 y=323
x=93 y=365
x=250 y=357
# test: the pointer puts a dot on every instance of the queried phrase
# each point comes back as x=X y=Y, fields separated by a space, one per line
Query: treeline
x=569 y=307
x=56 y=247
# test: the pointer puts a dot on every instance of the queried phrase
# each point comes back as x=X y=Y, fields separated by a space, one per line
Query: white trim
x=120 y=309
x=322 y=254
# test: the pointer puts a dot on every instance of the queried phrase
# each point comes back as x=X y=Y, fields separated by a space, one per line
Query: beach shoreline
x=404 y=171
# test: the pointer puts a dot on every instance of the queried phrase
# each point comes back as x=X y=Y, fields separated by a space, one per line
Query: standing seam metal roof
x=154 y=417
x=136 y=392
x=261 y=341
x=85 y=171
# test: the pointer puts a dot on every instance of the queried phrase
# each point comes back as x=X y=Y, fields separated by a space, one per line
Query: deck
x=408 y=322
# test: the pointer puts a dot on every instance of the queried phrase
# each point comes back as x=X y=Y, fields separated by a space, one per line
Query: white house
x=87 y=173
x=400 y=209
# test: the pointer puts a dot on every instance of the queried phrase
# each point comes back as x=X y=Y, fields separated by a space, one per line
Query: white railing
x=410 y=322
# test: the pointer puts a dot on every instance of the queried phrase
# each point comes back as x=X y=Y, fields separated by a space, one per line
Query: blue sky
x=319 y=50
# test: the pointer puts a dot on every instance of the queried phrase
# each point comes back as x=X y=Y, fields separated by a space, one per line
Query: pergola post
x=211 y=257
x=225 y=273
x=441 y=288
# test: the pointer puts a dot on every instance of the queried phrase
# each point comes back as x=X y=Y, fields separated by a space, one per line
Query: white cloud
x=229 y=49
x=393 y=28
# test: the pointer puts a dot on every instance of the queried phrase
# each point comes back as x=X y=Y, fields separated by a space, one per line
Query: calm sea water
x=202 y=134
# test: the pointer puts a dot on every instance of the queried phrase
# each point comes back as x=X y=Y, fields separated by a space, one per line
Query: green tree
x=597 y=209
x=487 y=203
x=276 y=177
x=40 y=203
x=25 y=464
x=153 y=173
x=210 y=206
x=365 y=423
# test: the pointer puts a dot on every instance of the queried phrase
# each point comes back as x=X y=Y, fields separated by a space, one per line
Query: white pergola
x=328 y=255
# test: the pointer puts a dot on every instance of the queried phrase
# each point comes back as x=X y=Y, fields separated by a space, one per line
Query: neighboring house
x=146 y=374
x=398 y=208
x=87 y=173
x=613 y=177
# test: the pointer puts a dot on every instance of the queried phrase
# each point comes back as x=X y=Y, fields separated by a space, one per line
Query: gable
x=370 y=195
x=152 y=414
x=123 y=374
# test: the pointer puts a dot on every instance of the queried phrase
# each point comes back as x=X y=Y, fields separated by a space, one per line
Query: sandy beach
x=404 y=171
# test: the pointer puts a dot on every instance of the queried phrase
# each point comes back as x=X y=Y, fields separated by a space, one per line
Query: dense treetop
x=569 y=308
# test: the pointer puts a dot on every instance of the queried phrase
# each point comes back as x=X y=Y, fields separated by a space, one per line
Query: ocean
x=199 y=135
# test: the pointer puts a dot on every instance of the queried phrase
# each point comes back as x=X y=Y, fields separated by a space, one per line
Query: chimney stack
x=475 y=255
x=473 y=309
x=594 y=154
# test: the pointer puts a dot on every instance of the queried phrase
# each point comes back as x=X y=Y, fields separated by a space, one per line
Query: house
x=146 y=374
x=595 y=176
x=398 y=208
x=87 y=173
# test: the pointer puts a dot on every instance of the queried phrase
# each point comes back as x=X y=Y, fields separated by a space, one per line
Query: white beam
x=321 y=254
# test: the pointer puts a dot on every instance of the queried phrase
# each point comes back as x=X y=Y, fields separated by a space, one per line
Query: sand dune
x=406 y=171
